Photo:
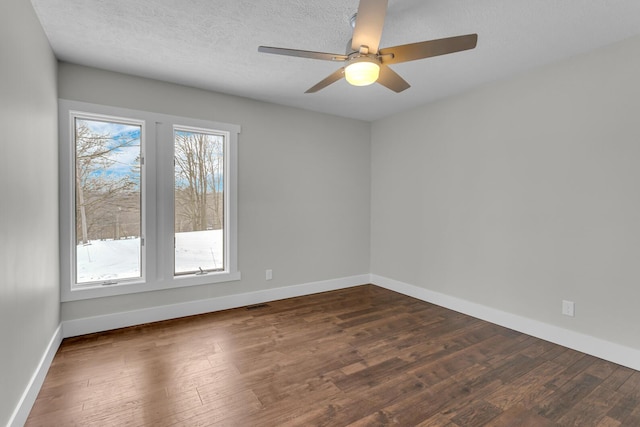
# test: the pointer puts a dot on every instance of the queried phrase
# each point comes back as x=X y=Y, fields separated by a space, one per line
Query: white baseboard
x=598 y=347
x=87 y=325
x=616 y=353
x=28 y=398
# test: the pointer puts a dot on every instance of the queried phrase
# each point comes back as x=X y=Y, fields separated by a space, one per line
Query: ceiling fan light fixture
x=362 y=71
x=363 y=59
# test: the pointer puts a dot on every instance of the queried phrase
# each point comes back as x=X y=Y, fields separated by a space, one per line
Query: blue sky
x=125 y=157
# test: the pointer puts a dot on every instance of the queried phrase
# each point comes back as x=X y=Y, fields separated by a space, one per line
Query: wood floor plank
x=633 y=419
x=608 y=422
x=592 y=409
x=362 y=356
x=623 y=408
x=477 y=413
x=618 y=377
x=565 y=398
x=527 y=389
x=518 y=416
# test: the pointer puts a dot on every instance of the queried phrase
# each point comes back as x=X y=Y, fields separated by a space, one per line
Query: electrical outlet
x=268 y=274
x=568 y=308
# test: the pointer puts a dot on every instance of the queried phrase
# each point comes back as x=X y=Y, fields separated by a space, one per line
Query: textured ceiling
x=213 y=44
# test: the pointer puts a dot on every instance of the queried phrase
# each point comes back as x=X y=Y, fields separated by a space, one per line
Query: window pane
x=108 y=200
x=199 y=201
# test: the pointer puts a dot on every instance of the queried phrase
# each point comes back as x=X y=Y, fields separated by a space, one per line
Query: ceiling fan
x=365 y=62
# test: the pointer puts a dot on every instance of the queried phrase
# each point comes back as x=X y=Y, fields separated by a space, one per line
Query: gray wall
x=29 y=293
x=304 y=194
x=520 y=194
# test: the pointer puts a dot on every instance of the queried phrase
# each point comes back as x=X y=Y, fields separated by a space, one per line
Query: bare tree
x=216 y=181
x=198 y=162
x=98 y=193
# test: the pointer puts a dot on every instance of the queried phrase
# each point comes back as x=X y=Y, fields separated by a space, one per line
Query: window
x=108 y=226
x=148 y=201
x=198 y=200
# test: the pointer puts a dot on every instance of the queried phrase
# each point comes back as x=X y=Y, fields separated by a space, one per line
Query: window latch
x=109 y=283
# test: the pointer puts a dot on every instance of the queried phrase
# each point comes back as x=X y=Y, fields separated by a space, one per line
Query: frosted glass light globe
x=362 y=72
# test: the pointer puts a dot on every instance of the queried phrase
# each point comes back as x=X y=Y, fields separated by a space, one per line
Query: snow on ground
x=105 y=260
x=199 y=249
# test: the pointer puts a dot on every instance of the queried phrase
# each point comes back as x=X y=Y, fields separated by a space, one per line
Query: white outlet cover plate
x=568 y=308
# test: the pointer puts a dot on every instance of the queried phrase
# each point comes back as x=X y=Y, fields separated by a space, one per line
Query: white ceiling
x=213 y=44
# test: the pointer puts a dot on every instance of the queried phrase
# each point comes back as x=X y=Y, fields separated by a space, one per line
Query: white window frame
x=157 y=210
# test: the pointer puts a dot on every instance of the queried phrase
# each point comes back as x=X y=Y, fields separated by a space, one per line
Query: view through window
x=199 y=200
x=107 y=200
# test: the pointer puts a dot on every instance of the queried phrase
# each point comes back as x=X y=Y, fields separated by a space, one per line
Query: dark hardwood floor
x=362 y=356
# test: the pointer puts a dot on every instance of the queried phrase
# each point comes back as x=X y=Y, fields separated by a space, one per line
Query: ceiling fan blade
x=392 y=80
x=303 y=53
x=427 y=49
x=331 y=78
x=369 y=23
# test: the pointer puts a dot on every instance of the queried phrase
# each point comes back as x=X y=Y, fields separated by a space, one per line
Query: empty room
x=362 y=212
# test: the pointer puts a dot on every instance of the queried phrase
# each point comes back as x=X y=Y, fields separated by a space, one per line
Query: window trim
x=157 y=202
x=73 y=117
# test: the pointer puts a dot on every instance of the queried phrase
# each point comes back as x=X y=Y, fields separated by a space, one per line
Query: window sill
x=125 y=288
